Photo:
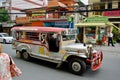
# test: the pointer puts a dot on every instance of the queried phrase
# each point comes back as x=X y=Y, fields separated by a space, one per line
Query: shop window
x=19 y=35
x=102 y=6
x=96 y=8
x=110 y=5
x=118 y=4
x=90 y=34
x=53 y=42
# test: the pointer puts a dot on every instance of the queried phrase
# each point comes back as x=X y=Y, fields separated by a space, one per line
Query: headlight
x=90 y=50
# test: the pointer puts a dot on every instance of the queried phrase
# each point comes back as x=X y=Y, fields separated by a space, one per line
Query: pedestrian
x=8 y=69
x=110 y=38
x=104 y=39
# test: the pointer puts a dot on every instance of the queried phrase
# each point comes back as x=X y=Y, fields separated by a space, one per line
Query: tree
x=4 y=16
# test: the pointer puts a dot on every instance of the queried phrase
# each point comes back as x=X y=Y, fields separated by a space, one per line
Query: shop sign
x=112 y=13
x=38 y=14
x=61 y=23
x=22 y=20
x=97 y=19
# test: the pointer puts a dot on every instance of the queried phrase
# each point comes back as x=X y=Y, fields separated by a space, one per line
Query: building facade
x=55 y=14
x=109 y=8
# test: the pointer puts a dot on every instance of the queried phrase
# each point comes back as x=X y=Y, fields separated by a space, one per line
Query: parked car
x=5 y=38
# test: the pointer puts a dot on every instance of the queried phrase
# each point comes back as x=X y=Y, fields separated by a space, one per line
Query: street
x=41 y=70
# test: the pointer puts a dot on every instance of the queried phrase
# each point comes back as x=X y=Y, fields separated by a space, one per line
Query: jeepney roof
x=38 y=29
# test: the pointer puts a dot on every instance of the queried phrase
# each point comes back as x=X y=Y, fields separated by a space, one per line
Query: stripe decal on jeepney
x=33 y=44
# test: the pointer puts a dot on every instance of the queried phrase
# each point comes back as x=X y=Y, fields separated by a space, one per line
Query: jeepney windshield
x=69 y=36
x=68 y=39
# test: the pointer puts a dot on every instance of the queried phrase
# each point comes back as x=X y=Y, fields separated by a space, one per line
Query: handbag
x=14 y=70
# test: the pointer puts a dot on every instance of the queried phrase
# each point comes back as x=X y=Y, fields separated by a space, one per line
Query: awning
x=96 y=24
x=113 y=25
x=90 y=24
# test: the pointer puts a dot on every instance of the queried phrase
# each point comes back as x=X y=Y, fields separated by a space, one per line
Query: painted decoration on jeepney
x=48 y=54
x=62 y=52
x=41 y=50
x=65 y=57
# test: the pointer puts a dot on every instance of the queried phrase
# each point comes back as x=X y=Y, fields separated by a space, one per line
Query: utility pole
x=9 y=4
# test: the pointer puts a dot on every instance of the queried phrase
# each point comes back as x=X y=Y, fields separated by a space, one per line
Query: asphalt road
x=41 y=70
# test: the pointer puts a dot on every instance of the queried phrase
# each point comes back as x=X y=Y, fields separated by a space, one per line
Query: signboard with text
x=112 y=13
x=97 y=19
x=22 y=20
x=38 y=14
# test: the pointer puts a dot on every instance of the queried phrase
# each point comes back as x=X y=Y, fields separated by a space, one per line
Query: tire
x=18 y=54
x=4 y=41
x=25 y=56
x=77 y=66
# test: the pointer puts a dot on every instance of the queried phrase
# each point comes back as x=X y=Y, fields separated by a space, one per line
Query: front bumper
x=96 y=60
x=9 y=41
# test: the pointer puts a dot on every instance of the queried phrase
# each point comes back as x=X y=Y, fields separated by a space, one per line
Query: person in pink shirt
x=5 y=60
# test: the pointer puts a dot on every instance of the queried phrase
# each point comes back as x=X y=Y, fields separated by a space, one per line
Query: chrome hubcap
x=76 y=66
x=25 y=54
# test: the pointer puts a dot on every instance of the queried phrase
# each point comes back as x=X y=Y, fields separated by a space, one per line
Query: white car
x=5 y=38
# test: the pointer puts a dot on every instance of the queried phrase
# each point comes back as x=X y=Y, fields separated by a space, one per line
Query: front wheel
x=4 y=41
x=77 y=66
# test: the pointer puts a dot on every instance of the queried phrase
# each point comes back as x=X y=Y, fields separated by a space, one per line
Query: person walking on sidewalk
x=110 y=39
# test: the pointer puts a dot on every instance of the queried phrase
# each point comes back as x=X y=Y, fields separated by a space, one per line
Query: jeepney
x=56 y=45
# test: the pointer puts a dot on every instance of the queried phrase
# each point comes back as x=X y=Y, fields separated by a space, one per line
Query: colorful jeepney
x=56 y=45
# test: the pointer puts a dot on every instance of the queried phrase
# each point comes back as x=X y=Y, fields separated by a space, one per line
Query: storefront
x=94 y=29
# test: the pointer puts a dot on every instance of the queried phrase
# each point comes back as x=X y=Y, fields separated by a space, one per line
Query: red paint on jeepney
x=96 y=62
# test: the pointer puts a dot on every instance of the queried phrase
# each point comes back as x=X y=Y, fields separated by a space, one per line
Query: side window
x=53 y=42
x=32 y=35
x=43 y=38
x=0 y=36
x=110 y=5
x=19 y=35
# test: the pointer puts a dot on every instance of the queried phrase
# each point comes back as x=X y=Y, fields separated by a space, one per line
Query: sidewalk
x=109 y=48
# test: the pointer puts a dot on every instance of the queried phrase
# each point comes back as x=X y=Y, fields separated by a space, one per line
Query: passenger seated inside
x=53 y=43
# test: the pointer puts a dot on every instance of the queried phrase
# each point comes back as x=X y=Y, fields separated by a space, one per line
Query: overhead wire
x=76 y=9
